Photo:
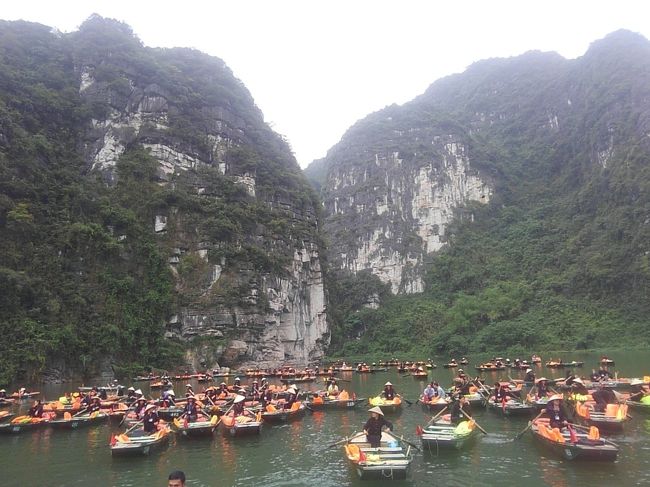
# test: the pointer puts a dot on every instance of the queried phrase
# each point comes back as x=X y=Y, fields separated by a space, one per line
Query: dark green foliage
x=559 y=258
x=83 y=277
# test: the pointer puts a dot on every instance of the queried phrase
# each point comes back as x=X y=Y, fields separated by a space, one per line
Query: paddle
x=433 y=419
x=344 y=440
x=409 y=443
x=133 y=427
x=530 y=423
x=586 y=428
x=220 y=417
x=472 y=419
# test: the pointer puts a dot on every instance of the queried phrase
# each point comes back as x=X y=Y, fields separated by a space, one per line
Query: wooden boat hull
x=15 y=429
x=605 y=452
x=442 y=437
x=197 y=430
x=78 y=422
x=139 y=446
x=285 y=416
x=168 y=414
x=336 y=404
x=638 y=406
x=389 y=461
x=387 y=406
x=512 y=408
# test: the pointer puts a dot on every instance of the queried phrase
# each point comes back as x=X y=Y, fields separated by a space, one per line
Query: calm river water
x=297 y=455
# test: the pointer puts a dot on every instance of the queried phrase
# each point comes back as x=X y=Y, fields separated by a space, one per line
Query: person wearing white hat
x=555 y=411
x=238 y=405
x=389 y=392
x=292 y=396
x=542 y=388
x=530 y=376
x=150 y=419
x=190 y=411
x=3 y=393
x=374 y=426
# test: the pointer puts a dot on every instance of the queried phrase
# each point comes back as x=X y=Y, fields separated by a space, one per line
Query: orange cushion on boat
x=611 y=410
x=67 y=415
x=594 y=433
x=295 y=406
x=353 y=452
x=318 y=400
x=270 y=408
x=343 y=395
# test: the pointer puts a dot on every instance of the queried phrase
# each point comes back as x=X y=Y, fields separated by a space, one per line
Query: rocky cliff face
x=144 y=196
x=397 y=187
x=279 y=315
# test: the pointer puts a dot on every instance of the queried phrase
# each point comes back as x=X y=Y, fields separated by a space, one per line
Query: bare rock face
x=389 y=201
x=272 y=310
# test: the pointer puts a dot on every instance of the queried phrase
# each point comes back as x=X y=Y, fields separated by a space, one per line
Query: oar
x=406 y=400
x=432 y=420
x=133 y=427
x=586 y=428
x=530 y=423
x=472 y=419
x=409 y=443
x=221 y=417
x=344 y=440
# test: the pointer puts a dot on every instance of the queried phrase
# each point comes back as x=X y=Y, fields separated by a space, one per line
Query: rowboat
x=74 y=422
x=296 y=379
x=137 y=443
x=444 y=435
x=387 y=405
x=6 y=402
x=450 y=365
x=6 y=415
x=204 y=426
x=435 y=404
x=419 y=375
x=511 y=408
x=22 y=424
x=170 y=413
x=488 y=367
x=389 y=461
x=24 y=396
x=639 y=406
x=275 y=416
x=611 y=420
x=580 y=447
x=242 y=425
x=555 y=364
x=327 y=402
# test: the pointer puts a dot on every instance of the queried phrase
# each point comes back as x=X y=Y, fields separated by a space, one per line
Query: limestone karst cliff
x=156 y=203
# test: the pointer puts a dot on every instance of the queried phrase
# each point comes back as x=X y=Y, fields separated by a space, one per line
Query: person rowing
x=95 y=405
x=36 y=411
x=501 y=392
x=374 y=426
x=639 y=392
x=530 y=376
x=603 y=397
x=555 y=411
x=458 y=404
x=190 y=411
x=150 y=420
x=389 y=392
x=292 y=396
x=140 y=406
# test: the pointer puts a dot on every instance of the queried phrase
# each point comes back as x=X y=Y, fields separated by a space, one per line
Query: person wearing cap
x=190 y=411
x=222 y=391
x=555 y=411
x=168 y=398
x=189 y=391
x=389 y=392
x=530 y=376
x=3 y=394
x=36 y=411
x=374 y=426
x=130 y=396
x=237 y=382
x=150 y=419
x=576 y=385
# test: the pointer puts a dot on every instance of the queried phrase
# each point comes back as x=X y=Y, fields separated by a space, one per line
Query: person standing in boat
x=150 y=420
x=190 y=411
x=389 y=392
x=36 y=411
x=374 y=426
x=555 y=411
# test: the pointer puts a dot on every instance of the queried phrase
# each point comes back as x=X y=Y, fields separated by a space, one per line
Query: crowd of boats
x=571 y=416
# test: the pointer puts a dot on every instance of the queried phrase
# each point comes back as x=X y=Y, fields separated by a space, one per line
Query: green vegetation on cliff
x=559 y=259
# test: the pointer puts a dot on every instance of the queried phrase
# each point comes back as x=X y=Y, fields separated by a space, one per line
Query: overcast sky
x=316 y=67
